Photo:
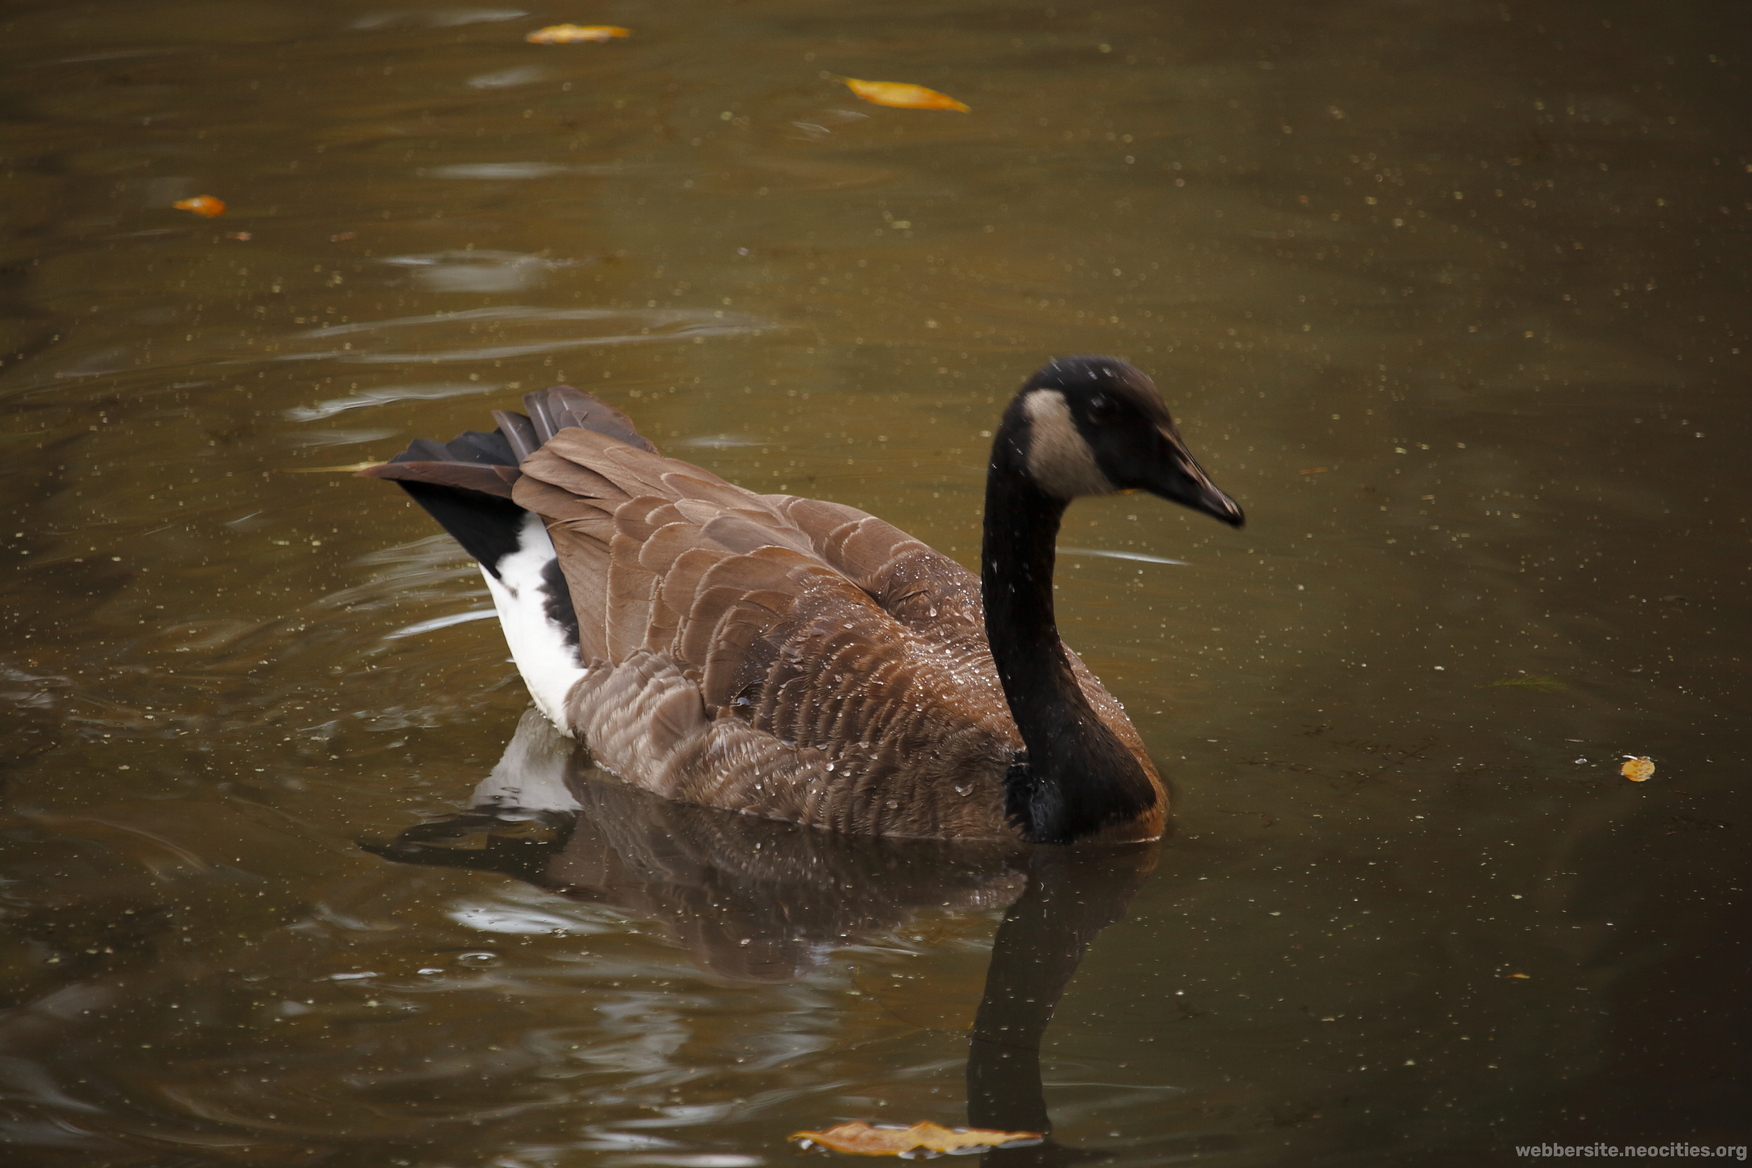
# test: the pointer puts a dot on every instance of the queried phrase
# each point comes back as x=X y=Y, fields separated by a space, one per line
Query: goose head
x=1098 y=426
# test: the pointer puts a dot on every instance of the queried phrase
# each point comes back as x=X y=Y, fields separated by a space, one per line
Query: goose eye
x=1100 y=407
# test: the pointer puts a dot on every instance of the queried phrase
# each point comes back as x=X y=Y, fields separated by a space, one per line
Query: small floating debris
x=901 y=95
x=920 y=1141
x=575 y=34
x=205 y=205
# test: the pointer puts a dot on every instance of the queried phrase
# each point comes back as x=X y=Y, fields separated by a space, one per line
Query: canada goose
x=803 y=660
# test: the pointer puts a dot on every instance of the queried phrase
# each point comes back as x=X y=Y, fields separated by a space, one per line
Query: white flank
x=548 y=663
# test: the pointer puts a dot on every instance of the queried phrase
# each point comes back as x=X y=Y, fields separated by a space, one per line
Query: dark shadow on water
x=758 y=901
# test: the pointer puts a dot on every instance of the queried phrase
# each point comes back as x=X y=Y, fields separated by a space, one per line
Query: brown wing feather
x=917 y=584
x=562 y=407
x=794 y=626
x=632 y=592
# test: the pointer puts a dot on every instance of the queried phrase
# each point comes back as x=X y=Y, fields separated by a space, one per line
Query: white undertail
x=544 y=649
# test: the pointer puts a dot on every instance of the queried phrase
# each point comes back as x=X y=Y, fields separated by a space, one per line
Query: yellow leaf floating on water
x=572 y=34
x=902 y=95
x=860 y=1139
x=1637 y=770
x=201 y=205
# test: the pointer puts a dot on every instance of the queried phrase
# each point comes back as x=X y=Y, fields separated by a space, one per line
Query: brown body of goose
x=803 y=660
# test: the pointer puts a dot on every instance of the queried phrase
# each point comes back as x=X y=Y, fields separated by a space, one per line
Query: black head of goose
x=803 y=660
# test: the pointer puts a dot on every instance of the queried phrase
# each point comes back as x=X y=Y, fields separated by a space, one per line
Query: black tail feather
x=466 y=483
x=470 y=446
x=487 y=527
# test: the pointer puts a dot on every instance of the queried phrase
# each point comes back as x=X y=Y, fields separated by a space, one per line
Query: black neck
x=1077 y=776
x=1016 y=563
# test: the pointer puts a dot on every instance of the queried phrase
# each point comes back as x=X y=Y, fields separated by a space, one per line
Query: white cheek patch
x=1059 y=460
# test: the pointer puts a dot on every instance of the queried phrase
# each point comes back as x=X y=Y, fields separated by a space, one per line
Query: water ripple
x=510 y=324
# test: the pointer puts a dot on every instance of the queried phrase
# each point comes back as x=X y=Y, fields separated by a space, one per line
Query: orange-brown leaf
x=1637 y=770
x=861 y=1139
x=902 y=95
x=572 y=34
x=201 y=205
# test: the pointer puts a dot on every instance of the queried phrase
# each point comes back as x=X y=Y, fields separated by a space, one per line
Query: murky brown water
x=1452 y=298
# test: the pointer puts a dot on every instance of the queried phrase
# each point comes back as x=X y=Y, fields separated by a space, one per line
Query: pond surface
x=1451 y=297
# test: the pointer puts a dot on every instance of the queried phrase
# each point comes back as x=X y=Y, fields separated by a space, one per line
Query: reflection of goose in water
x=803 y=660
x=749 y=898
x=752 y=899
